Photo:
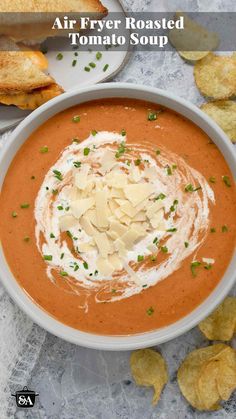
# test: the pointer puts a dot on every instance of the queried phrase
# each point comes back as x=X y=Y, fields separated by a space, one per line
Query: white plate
x=38 y=117
x=70 y=77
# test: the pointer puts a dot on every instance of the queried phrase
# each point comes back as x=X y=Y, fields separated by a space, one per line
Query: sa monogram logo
x=25 y=398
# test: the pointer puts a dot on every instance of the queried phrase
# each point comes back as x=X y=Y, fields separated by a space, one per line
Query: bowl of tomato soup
x=117 y=216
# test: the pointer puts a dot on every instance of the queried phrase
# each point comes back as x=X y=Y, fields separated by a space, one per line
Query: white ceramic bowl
x=67 y=100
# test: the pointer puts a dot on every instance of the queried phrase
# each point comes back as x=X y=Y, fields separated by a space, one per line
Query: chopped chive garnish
x=47 y=257
x=121 y=149
x=32 y=177
x=153 y=258
x=212 y=179
x=155 y=240
x=87 y=69
x=63 y=273
x=52 y=236
x=60 y=208
x=67 y=208
x=76 y=54
x=171 y=230
x=123 y=132
x=190 y=188
x=152 y=116
x=169 y=171
x=193 y=267
x=160 y=196
x=26 y=239
x=76 y=118
x=94 y=132
x=144 y=285
x=75 y=140
x=150 y=311
x=55 y=191
x=44 y=149
x=173 y=207
x=77 y=164
x=226 y=181
x=86 y=151
x=186 y=244
x=74 y=62
x=105 y=67
x=99 y=55
x=174 y=166
x=14 y=214
x=69 y=234
x=140 y=258
x=208 y=266
x=58 y=175
x=164 y=249
x=224 y=229
x=158 y=152
x=62 y=255
x=92 y=65
x=85 y=265
x=59 y=56
x=96 y=273
x=25 y=205
x=76 y=267
x=113 y=290
x=212 y=230
x=137 y=162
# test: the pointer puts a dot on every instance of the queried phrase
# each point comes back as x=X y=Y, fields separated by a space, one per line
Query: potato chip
x=215 y=76
x=193 y=42
x=149 y=369
x=224 y=114
x=221 y=324
x=208 y=375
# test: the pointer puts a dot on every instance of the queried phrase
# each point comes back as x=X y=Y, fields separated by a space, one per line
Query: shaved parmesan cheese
x=117 y=228
x=103 y=244
x=157 y=218
x=87 y=226
x=105 y=267
x=67 y=221
x=108 y=161
x=117 y=179
x=155 y=207
x=81 y=176
x=137 y=193
x=80 y=206
x=128 y=209
x=119 y=245
x=86 y=247
x=115 y=261
x=101 y=208
x=130 y=237
x=140 y=216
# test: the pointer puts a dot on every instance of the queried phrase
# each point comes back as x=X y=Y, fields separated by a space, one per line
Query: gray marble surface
x=74 y=382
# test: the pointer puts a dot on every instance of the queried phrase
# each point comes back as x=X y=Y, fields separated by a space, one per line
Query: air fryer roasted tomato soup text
x=118 y=216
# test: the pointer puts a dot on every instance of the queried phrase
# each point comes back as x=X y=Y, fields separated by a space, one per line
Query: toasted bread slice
x=31 y=100
x=35 y=21
x=73 y=6
x=18 y=73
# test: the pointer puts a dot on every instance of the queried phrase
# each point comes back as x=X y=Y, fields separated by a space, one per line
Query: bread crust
x=19 y=74
x=28 y=6
x=31 y=100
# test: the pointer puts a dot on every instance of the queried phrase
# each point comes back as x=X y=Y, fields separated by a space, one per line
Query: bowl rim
x=24 y=301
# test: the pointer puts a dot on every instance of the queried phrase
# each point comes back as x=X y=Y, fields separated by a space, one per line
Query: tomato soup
x=118 y=216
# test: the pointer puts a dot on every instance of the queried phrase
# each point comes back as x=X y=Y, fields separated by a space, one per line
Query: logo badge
x=25 y=398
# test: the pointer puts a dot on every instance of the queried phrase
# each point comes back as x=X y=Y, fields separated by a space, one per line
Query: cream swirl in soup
x=107 y=207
